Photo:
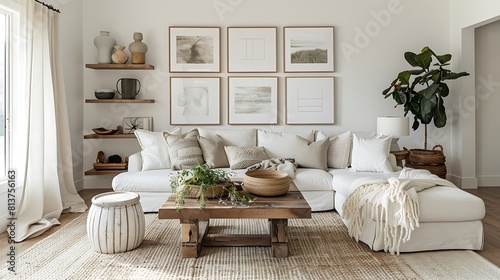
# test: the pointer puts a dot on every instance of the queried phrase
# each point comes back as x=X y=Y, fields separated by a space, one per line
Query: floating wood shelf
x=120 y=66
x=104 y=172
x=119 y=101
x=110 y=136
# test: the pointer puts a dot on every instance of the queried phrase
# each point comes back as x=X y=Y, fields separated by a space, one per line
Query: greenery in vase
x=423 y=96
x=205 y=178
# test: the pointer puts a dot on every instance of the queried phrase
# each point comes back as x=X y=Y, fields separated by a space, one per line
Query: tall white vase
x=104 y=44
x=138 y=49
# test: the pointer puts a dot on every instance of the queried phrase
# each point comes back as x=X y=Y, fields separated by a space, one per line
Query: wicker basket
x=212 y=192
x=431 y=160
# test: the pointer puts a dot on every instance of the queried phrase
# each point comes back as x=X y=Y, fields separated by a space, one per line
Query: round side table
x=115 y=222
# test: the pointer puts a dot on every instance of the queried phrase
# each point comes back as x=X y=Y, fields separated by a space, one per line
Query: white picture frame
x=194 y=49
x=130 y=124
x=252 y=49
x=309 y=100
x=309 y=49
x=253 y=100
x=195 y=100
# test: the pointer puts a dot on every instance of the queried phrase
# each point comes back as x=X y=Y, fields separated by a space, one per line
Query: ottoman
x=115 y=222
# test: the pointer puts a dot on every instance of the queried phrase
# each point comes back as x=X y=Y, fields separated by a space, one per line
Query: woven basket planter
x=432 y=160
x=212 y=192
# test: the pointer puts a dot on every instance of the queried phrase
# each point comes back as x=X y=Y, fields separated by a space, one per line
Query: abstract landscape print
x=194 y=49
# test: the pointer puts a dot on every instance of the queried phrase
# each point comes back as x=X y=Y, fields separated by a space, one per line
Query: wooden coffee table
x=195 y=222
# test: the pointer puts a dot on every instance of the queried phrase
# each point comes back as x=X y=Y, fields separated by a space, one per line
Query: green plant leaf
x=431 y=91
x=410 y=58
x=424 y=59
x=415 y=124
x=399 y=97
x=453 y=76
x=440 y=114
x=443 y=58
x=416 y=71
x=444 y=89
x=404 y=77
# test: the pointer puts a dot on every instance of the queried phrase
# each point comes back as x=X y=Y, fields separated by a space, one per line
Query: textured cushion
x=213 y=152
x=184 y=152
x=338 y=149
x=231 y=137
x=243 y=157
x=154 y=151
x=281 y=144
x=312 y=154
x=371 y=154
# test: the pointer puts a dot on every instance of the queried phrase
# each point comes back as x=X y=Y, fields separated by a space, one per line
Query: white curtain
x=42 y=148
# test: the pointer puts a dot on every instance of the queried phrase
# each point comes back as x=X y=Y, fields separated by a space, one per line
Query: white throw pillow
x=154 y=151
x=371 y=155
x=184 y=152
x=281 y=144
x=338 y=150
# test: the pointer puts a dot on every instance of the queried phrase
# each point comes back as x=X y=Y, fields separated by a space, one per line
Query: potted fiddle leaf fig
x=422 y=89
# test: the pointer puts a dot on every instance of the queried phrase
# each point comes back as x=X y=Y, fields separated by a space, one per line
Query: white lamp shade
x=394 y=126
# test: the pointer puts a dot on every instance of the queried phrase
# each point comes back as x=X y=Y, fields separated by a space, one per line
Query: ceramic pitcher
x=128 y=88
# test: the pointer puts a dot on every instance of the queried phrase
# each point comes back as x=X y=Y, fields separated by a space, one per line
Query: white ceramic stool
x=115 y=223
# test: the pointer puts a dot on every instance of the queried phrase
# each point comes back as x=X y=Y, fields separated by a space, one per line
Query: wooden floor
x=491 y=222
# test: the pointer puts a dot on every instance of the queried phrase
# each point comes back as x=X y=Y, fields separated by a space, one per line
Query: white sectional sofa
x=327 y=165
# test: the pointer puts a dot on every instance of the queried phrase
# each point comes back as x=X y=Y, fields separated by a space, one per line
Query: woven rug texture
x=319 y=249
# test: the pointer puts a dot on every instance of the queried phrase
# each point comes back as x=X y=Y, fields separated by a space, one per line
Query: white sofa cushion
x=281 y=144
x=213 y=152
x=143 y=181
x=184 y=152
x=154 y=149
x=311 y=154
x=243 y=157
x=231 y=137
x=308 y=179
x=338 y=150
x=371 y=155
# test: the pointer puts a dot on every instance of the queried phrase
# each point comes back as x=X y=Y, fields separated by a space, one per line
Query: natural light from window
x=3 y=71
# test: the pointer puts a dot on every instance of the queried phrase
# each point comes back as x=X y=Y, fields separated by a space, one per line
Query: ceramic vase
x=138 y=49
x=119 y=56
x=104 y=44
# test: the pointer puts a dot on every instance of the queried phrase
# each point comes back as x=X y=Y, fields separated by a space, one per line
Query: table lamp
x=395 y=127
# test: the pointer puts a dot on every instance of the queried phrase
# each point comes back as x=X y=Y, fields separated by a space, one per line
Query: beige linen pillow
x=338 y=149
x=312 y=154
x=213 y=151
x=243 y=157
x=184 y=152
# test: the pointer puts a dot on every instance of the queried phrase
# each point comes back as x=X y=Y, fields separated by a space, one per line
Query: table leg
x=192 y=233
x=278 y=229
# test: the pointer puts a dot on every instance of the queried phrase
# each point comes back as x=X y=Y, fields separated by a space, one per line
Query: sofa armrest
x=135 y=162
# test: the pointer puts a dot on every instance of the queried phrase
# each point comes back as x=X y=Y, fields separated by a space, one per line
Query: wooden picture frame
x=252 y=49
x=309 y=100
x=253 y=100
x=195 y=100
x=194 y=49
x=308 y=49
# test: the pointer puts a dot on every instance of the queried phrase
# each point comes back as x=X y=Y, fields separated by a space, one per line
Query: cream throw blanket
x=392 y=203
x=282 y=164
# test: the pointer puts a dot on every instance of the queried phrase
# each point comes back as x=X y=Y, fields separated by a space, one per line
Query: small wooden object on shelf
x=102 y=163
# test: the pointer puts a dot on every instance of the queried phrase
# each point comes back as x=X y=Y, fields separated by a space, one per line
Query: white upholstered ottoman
x=115 y=222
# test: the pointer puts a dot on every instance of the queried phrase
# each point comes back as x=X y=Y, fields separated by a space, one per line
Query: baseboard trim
x=463 y=182
x=488 y=181
x=79 y=185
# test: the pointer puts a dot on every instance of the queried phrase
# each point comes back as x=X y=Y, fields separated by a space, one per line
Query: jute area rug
x=320 y=249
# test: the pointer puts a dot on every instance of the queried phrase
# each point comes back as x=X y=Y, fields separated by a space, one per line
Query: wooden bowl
x=266 y=182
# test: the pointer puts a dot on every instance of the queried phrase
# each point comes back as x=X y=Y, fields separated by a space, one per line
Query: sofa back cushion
x=371 y=154
x=281 y=144
x=312 y=154
x=231 y=137
x=184 y=152
x=339 y=149
x=154 y=151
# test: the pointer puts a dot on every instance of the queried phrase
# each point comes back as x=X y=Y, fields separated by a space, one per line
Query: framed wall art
x=251 y=49
x=194 y=100
x=130 y=124
x=253 y=100
x=308 y=49
x=309 y=100
x=194 y=49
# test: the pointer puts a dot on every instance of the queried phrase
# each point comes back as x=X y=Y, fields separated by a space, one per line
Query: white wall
x=370 y=41
x=466 y=16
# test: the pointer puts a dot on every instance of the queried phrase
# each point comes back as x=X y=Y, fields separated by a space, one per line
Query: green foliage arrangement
x=202 y=180
x=421 y=91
